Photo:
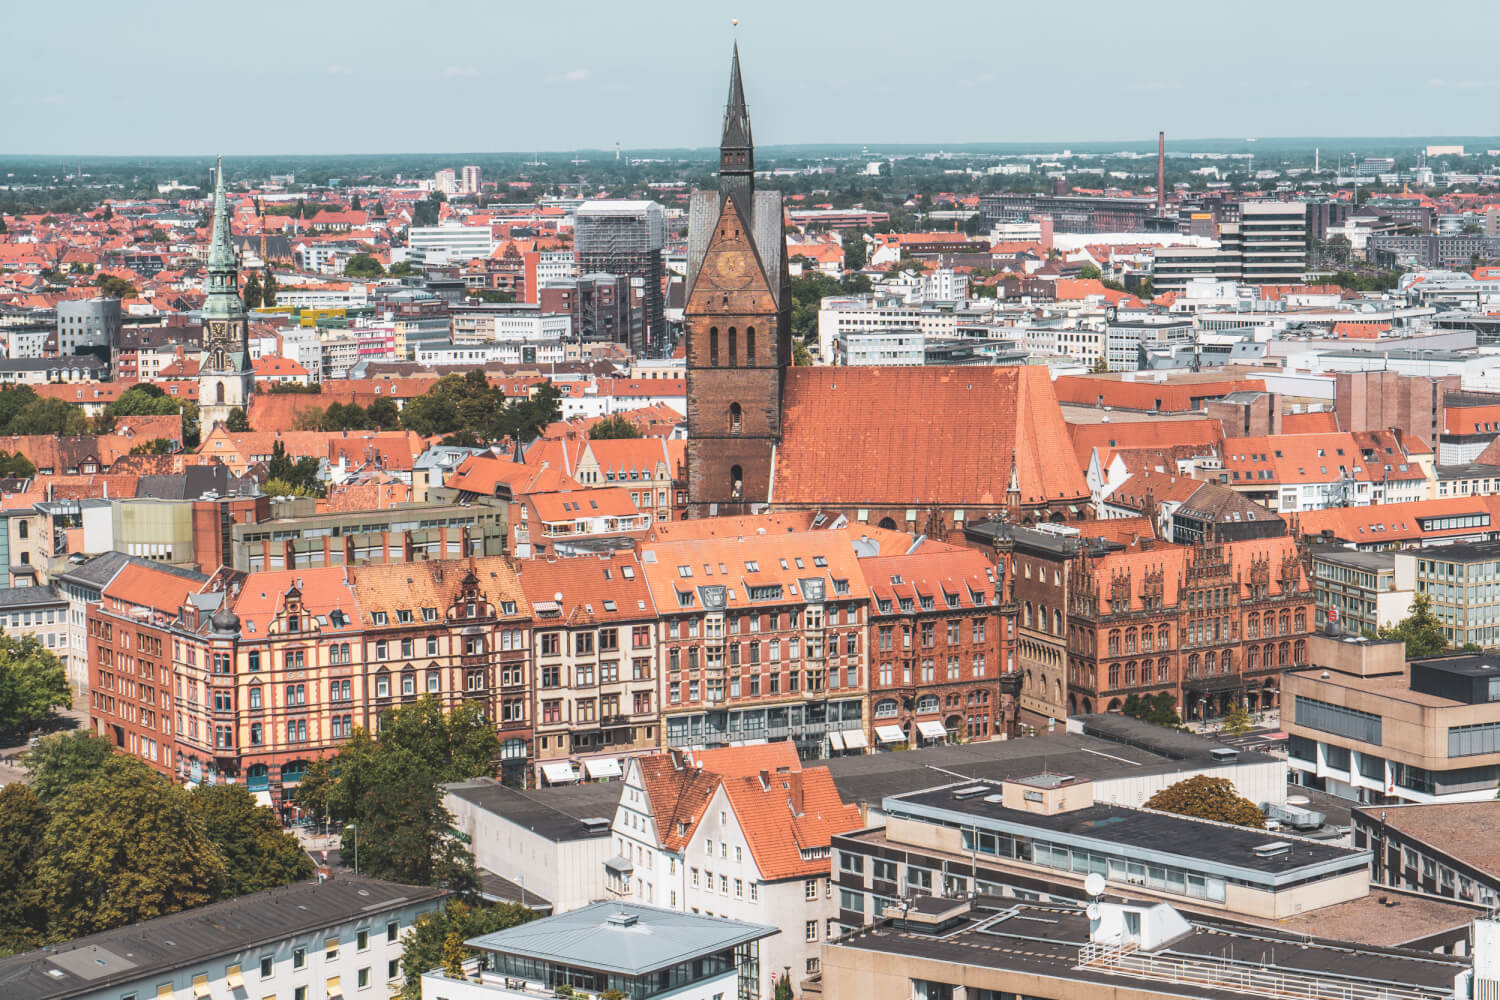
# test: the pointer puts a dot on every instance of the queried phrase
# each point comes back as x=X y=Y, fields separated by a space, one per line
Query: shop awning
x=607 y=767
x=262 y=799
x=932 y=730
x=559 y=772
x=854 y=739
x=836 y=740
x=890 y=734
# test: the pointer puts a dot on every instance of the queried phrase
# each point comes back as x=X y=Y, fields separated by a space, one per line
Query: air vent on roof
x=970 y=791
x=1274 y=849
x=622 y=919
x=1224 y=753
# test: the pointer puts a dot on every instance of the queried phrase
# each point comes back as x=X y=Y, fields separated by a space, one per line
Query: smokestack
x=1161 y=173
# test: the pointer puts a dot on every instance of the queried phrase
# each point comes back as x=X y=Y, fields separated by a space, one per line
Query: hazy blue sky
x=328 y=76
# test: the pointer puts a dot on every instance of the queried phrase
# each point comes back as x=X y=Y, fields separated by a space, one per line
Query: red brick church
x=921 y=449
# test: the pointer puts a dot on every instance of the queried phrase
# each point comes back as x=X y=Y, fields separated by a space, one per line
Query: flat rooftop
x=1482 y=665
x=1128 y=748
x=1373 y=562
x=563 y=812
x=154 y=949
x=1465 y=831
x=595 y=937
x=1045 y=940
x=1143 y=834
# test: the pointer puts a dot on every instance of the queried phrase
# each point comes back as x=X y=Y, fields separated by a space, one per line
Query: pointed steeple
x=223 y=300
x=736 y=149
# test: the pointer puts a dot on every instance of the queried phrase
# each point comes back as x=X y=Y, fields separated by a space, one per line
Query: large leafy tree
x=257 y=853
x=49 y=416
x=1420 y=630
x=613 y=427
x=120 y=848
x=422 y=946
x=1160 y=709
x=62 y=760
x=32 y=683
x=23 y=824
x=456 y=746
x=362 y=265
x=17 y=465
x=1208 y=798
x=383 y=415
x=301 y=473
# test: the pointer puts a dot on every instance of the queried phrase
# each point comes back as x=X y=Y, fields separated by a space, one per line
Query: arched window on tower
x=736 y=483
x=735 y=418
x=733 y=348
x=713 y=345
x=749 y=345
x=219 y=390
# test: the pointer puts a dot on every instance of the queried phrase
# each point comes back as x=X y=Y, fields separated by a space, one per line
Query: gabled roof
x=789 y=818
x=677 y=794
x=873 y=437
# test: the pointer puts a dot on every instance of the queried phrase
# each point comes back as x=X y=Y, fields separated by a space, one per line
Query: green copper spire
x=223 y=300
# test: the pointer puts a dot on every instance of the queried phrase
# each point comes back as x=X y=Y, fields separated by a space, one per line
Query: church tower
x=738 y=322
x=225 y=377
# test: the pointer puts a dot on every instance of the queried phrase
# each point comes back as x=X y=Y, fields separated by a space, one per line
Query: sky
x=165 y=77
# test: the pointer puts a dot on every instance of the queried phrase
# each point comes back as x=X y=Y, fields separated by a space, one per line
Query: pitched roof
x=413 y=586
x=788 y=817
x=878 y=436
x=677 y=793
x=601 y=588
x=137 y=586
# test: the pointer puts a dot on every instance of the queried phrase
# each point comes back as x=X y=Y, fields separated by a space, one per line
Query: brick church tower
x=738 y=321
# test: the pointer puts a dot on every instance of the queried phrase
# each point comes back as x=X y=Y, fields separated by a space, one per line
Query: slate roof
x=874 y=437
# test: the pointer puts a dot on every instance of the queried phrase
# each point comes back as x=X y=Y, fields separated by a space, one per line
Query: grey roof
x=152 y=949
x=558 y=814
x=101 y=569
x=193 y=482
x=27 y=597
x=765 y=233
x=1355 y=559
x=1123 y=746
x=587 y=938
x=503 y=890
x=1146 y=835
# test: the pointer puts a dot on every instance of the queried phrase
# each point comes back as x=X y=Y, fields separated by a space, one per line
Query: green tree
x=1208 y=798
x=382 y=414
x=405 y=832
x=614 y=426
x=237 y=422
x=62 y=760
x=268 y=290
x=301 y=474
x=13 y=400
x=362 y=265
x=454 y=953
x=494 y=295
x=251 y=292
x=1090 y=272
x=401 y=269
x=800 y=353
x=1238 y=721
x=1420 y=630
x=16 y=465
x=156 y=446
x=422 y=946
x=354 y=203
x=313 y=790
x=783 y=988
x=277 y=487
x=856 y=254
x=23 y=825
x=257 y=853
x=49 y=416
x=32 y=683
x=115 y=288
x=123 y=847
x=1101 y=366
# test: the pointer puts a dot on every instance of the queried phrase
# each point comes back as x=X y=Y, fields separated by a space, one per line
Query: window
x=392 y=969
x=810 y=889
x=331 y=947
x=810 y=930
x=267 y=964
x=299 y=993
x=299 y=958
x=362 y=940
x=391 y=930
x=364 y=978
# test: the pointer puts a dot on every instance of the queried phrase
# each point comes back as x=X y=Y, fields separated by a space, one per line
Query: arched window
x=1027 y=613
x=735 y=418
x=1057 y=622
x=1300 y=621
x=1226 y=662
x=1286 y=623
x=1130 y=674
x=734 y=345
x=1299 y=652
x=1114 y=642
x=1252 y=627
x=1268 y=623
x=749 y=345
x=886 y=709
x=1114 y=675
x=1193 y=665
x=219 y=391
x=258 y=777
x=1162 y=671
x=255 y=703
x=1285 y=654
x=927 y=704
x=1041 y=618
x=1130 y=640
x=1147 y=637
x=1210 y=661
x=1163 y=638
x=736 y=482
x=713 y=345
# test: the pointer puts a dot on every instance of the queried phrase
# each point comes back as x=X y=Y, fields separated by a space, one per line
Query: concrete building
x=1380 y=400
x=87 y=326
x=1362 y=591
x=1438 y=849
x=294 y=539
x=509 y=322
x=38 y=611
x=448 y=243
x=1127 y=341
x=551 y=843
x=639 y=952
x=1366 y=725
x=627 y=238
x=328 y=939
x=1271 y=240
x=1461 y=581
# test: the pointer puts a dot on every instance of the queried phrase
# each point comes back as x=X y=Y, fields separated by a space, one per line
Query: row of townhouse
x=580 y=663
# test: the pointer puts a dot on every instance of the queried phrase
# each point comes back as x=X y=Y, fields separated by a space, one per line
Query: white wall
x=568 y=874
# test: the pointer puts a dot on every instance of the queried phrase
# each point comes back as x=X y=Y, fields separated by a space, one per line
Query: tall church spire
x=223 y=299
x=736 y=149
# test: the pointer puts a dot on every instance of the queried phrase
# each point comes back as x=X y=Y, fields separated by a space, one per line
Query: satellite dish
x=1093 y=911
x=557 y=597
x=1094 y=884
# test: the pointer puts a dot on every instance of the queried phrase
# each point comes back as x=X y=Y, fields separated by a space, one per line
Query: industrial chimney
x=1161 y=173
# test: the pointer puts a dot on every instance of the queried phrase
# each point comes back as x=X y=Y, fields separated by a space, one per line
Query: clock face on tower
x=732 y=268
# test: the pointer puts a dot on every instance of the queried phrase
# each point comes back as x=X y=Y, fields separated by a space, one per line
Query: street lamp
x=355 y=828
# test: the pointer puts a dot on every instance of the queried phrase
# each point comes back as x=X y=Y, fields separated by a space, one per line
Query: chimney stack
x=1161 y=173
